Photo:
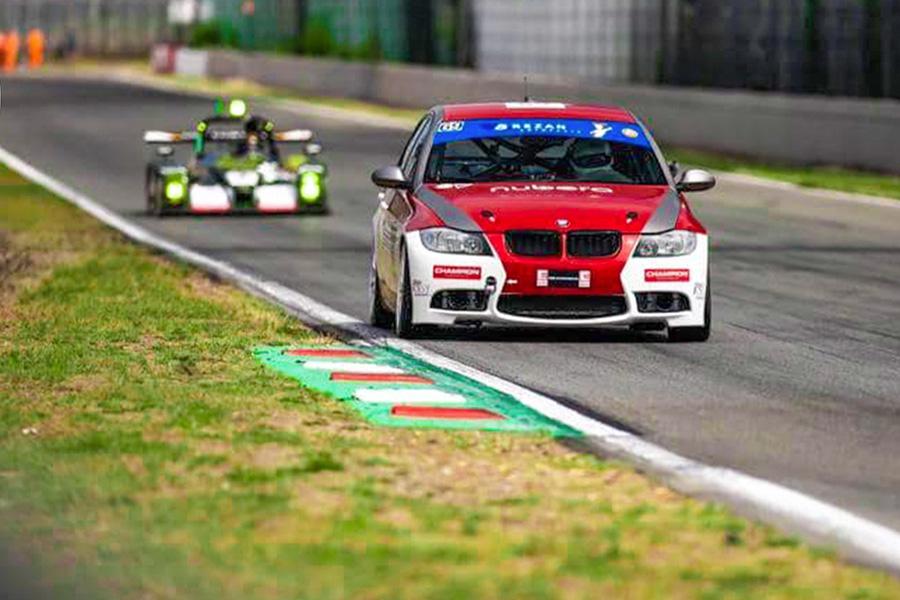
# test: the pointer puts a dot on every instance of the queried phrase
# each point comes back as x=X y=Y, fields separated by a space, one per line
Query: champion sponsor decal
x=630 y=133
x=666 y=275
x=448 y=272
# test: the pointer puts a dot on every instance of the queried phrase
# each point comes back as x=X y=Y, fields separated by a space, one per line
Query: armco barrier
x=191 y=62
x=800 y=130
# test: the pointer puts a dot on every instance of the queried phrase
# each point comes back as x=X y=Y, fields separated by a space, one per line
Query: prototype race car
x=545 y=214
x=236 y=165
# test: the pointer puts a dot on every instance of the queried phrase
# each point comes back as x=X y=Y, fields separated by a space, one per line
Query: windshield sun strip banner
x=627 y=133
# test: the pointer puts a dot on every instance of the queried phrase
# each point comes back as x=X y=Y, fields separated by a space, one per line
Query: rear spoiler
x=187 y=137
x=293 y=135
x=167 y=137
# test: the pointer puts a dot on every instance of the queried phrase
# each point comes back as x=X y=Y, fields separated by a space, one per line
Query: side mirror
x=390 y=177
x=165 y=151
x=695 y=180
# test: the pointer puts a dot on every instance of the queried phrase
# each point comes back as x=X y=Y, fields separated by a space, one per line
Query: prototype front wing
x=220 y=199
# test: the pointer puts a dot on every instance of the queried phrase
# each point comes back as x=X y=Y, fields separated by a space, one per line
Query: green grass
x=831 y=178
x=144 y=453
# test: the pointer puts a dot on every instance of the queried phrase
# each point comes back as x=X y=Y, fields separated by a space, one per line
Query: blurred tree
x=871 y=59
x=420 y=30
x=813 y=62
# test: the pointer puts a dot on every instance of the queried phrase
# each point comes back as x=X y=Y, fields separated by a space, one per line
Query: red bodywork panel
x=500 y=110
x=686 y=219
x=521 y=271
x=422 y=217
x=500 y=207
x=558 y=206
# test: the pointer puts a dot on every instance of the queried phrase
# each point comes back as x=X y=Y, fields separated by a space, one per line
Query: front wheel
x=695 y=334
x=154 y=189
x=378 y=315
x=403 y=315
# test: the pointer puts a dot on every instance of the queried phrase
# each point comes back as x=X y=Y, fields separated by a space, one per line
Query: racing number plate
x=563 y=279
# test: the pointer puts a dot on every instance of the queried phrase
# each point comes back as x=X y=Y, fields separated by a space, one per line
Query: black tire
x=153 y=188
x=681 y=335
x=379 y=316
x=403 y=314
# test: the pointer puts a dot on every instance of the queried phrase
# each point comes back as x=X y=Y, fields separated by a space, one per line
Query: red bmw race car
x=538 y=214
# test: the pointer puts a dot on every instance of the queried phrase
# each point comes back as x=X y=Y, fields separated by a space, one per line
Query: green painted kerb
x=517 y=417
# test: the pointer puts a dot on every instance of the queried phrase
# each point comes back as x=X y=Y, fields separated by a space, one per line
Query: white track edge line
x=856 y=538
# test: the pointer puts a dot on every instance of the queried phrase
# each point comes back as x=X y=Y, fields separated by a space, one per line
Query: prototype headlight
x=310 y=186
x=450 y=241
x=175 y=190
x=671 y=243
x=175 y=187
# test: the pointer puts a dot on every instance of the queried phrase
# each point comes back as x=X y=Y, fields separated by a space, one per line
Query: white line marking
x=352 y=367
x=858 y=539
x=406 y=396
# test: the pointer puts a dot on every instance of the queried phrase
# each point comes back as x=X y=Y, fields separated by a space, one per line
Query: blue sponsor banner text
x=628 y=133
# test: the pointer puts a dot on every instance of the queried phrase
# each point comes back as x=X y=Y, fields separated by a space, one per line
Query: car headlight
x=671 y=243
x=450 y=241
x=310 y=187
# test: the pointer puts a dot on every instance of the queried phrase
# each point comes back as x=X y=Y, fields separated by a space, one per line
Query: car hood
x=499 y=207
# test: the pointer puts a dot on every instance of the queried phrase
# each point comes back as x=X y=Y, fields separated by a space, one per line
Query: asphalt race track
x=800 y=383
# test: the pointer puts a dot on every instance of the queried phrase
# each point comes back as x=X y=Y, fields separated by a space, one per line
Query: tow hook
x=490 y=286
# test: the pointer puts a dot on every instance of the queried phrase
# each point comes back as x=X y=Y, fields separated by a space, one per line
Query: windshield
x=542 y=150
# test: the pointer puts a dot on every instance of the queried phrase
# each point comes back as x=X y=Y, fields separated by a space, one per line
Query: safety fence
x=838 y=47
x=780 y=128
x=422 y=31
x=109 y=27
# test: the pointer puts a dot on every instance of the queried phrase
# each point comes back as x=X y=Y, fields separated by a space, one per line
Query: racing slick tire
x=378 y=315
x=403 y=314
x=695 y=334
x=153 y=189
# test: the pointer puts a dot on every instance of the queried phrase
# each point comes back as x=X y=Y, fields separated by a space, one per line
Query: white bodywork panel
x=422 y=263
x=279 y=197
x=209 y=198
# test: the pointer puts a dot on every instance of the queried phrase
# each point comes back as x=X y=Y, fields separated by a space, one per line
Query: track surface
x=800 y=383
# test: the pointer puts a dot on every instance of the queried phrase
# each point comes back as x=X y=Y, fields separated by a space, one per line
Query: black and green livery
x=237 y=164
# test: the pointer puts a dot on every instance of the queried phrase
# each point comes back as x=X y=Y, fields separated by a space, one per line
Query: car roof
x=535 y=110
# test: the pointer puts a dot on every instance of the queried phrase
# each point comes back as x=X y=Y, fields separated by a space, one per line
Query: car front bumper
x=432 y=273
